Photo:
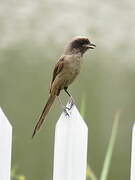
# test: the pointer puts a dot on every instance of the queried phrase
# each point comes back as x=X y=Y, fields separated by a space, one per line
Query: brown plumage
x=65 y=71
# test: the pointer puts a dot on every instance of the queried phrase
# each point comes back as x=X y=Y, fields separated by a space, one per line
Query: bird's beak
x=90 y=46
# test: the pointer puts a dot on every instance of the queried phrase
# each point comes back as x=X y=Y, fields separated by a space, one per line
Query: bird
x=65 y=71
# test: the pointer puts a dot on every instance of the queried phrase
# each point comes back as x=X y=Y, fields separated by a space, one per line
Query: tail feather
x=44 y=113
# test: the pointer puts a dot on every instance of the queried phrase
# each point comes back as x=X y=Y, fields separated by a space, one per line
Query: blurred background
x=32 y=37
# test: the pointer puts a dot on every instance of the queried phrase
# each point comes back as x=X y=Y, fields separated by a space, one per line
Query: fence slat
x=132 y=177
x=70 y=153
x=5 y=147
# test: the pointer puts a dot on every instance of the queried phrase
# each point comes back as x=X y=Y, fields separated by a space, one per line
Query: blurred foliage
x=107 y=162
x=15 y=176
x=108 y=157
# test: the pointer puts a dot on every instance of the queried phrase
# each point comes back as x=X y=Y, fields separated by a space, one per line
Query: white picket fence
x=70 y=150
x=5 y=147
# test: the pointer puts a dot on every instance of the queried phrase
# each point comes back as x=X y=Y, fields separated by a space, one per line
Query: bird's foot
x=65 y=110
x=72 y=102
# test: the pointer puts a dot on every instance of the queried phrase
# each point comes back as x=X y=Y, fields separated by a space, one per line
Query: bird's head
x=79 y=44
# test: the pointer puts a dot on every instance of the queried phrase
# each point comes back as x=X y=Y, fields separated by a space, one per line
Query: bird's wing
x=58 y=68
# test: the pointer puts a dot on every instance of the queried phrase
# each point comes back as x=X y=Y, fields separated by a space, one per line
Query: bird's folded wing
x=58 y=68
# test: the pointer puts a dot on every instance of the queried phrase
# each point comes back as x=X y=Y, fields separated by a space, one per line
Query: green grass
x=16 y=176
x=108 y=157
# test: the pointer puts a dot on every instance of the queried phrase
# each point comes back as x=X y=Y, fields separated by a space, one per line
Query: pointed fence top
x=5 y=147
x=70 y=154
x=132 y=176
x=72 y=116
x=3 y=119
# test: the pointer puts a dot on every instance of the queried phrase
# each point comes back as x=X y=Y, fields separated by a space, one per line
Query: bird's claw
x=65 y=111
x=72 y=102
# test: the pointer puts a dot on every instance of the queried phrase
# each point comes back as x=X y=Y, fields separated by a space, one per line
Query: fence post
x=132 y=177
x=5 y=147
x=70 y=151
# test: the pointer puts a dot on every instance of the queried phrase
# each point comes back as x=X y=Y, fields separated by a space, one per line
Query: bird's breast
x=71 y=69
x=73 y=64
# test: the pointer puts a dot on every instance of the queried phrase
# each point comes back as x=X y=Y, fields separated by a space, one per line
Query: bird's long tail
x=44 y=113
